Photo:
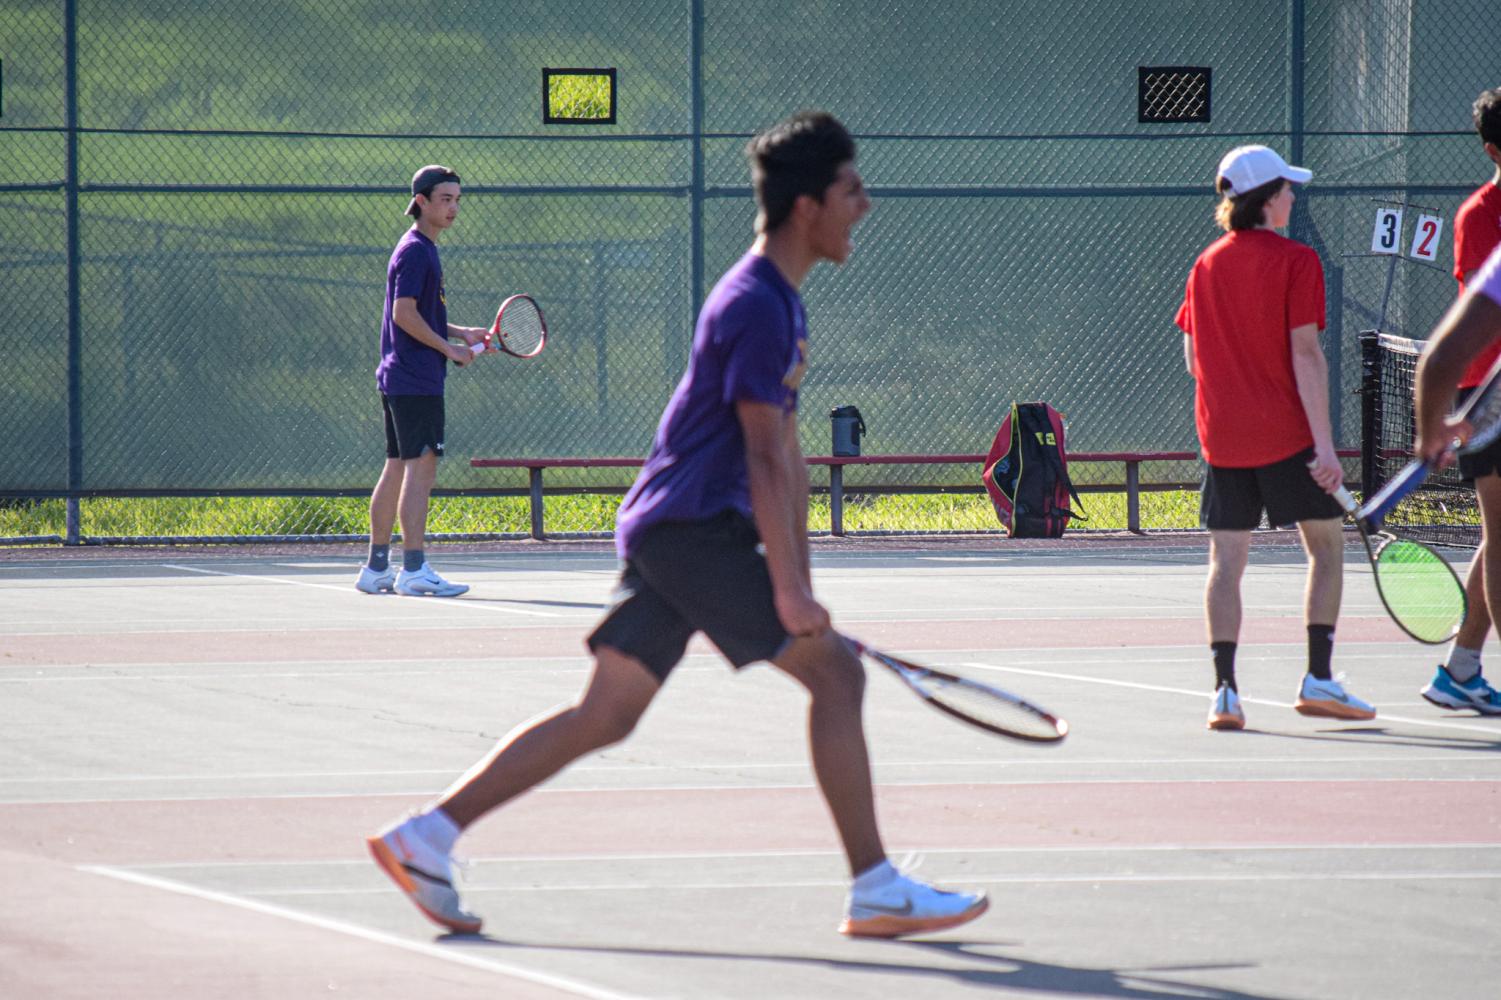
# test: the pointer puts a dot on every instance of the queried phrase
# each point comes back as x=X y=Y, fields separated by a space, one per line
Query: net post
x=534 y=482
x=1370 y=411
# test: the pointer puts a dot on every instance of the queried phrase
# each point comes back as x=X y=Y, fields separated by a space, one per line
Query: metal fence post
x=75 y=334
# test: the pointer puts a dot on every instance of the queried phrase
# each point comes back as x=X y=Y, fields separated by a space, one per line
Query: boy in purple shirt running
x=416 y=344
x=725 y=475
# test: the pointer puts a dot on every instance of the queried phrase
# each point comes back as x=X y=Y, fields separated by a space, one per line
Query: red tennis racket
x=519 y=329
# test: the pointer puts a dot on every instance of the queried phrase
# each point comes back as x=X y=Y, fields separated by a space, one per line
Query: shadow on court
x=1381 y=736
x=991 y=971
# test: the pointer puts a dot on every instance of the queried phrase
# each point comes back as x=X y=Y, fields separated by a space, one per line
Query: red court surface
x=196 y=742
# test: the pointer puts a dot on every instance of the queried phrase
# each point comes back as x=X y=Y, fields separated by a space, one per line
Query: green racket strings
x=1420 y=591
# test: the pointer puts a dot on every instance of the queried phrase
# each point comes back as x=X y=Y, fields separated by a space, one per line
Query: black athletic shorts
x=1486 y=461
x=1233 y=499
x=694 y=576
x=414 y=424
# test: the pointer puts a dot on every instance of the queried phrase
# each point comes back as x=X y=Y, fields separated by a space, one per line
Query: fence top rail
x=620 y=462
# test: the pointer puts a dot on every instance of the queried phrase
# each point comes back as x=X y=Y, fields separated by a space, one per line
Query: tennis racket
x=1482 y=411
x=519 y=329
x=981 y=705
x=1418 y=587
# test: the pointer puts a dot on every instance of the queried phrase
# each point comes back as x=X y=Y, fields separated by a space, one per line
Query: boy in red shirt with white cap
x=1251 y=318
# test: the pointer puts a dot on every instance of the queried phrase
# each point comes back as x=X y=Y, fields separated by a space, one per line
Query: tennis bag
x=1026 y=474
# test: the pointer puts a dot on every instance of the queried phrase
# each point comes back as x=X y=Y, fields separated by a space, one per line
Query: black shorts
x=1233 y=499
x=414 y=424
x=694 y=576
x=1486 y=461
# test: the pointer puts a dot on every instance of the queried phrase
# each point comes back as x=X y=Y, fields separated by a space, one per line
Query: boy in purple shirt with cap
x=415 y=348
x=714 y=539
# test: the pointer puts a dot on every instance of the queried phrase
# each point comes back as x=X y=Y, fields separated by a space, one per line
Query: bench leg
x=534 y=480
x=1133 y=497
x=836 y=500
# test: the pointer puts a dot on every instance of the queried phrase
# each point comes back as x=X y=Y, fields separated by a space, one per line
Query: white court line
x=627 y=856
x=1487 y=730
x=713 y=662
x=453 y=955
x=451 y=603
x=634 y=766
x=471 y=888
x=770 y=786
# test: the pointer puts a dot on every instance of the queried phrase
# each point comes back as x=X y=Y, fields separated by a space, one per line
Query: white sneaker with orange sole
x=1330 y=700
x=424 y=873
x=906 y=906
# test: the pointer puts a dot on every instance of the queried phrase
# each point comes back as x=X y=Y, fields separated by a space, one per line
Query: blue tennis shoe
x=1446 y=692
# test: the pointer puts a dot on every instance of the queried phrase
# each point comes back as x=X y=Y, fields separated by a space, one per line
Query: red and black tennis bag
x=1026 y=474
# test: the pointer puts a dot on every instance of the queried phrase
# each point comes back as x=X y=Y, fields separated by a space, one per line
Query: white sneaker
x=1330 y=700
x=424 y=873
x=1226 y=713
x=426 y=582
x=373 y=581
x=906 y=906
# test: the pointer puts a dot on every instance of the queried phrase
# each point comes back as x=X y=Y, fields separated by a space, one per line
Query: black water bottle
x=848 y=426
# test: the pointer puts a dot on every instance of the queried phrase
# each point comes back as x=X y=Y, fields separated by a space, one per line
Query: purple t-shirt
x=409 y=367
x=750 y=344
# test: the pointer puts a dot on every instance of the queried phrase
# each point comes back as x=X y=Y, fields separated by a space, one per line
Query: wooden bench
x=1131 y=483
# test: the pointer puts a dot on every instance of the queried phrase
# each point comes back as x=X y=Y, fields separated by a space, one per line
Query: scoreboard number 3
x=1387 y=237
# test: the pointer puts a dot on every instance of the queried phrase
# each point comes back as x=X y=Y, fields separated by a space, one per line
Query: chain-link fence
x=197 y=203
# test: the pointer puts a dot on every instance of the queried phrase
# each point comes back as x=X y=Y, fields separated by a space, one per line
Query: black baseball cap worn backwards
x=424 y=180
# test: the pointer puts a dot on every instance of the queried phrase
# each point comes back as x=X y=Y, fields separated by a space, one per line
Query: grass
x=579 y=96
x=189 y=517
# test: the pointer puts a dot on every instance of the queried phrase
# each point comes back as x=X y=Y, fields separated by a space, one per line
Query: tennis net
x=1443 y=510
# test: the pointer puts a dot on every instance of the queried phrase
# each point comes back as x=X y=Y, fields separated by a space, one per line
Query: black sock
x=380 y=557
x=1224 y=664
x=1320 y=649
x=412 y=559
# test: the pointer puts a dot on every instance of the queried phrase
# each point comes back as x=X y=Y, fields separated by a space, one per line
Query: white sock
x=1462 y=663
x=435 y=827
x=875 y=876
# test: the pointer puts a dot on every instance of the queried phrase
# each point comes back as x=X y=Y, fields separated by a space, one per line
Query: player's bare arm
x=1466 y=329
x=1311 y=373
x=774 y=506
x=404 y=313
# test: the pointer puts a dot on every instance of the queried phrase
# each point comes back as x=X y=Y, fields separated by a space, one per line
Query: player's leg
x=1229 y=507
x=883 y=902
x=619 y=691
x=1458 y=682
x=835 y=680
x=1229 y=551
x=419 y=429
x=1321 y=693
x=417 y=851
x=1292 y=497
x=377 y=575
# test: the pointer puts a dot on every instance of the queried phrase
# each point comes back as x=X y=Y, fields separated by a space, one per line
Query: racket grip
x=479 y=348
x=1341 y=496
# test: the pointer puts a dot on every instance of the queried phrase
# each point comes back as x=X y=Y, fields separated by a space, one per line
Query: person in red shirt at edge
x=1251 y=318
x=1477 y=231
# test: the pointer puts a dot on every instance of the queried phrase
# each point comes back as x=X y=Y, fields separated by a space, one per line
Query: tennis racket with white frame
x=981 y=705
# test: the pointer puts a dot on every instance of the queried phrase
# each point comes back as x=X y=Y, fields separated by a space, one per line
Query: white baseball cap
x=1247 y=167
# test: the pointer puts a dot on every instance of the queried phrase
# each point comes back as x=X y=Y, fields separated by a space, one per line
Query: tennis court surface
x=196 y=742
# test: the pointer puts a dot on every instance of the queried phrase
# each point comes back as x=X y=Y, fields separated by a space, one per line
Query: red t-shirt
x=1477 y=231
x=1245 y=296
